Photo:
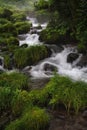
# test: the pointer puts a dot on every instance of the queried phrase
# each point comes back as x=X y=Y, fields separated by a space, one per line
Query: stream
x=58 y=59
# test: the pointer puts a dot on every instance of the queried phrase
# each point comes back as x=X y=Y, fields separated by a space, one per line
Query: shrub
x=71 y=94
x=18 y=16
x=20 y=101
x=33 y=119
x=7 y=62
x=5 y=98
x=5 y=13
x=39 y=97
x=41 y=4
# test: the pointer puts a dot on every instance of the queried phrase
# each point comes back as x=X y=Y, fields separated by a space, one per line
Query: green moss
x=41 y=4
x=14 y=80
x=18 y=16
x=5 y=13
x=33 y=119
x=22 y=27
x=20 y=101
x=5 y=98
x=29 y=56
x=7 y=62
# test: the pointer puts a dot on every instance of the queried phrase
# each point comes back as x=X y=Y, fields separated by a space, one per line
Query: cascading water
x=32 y=39
x=58 y=60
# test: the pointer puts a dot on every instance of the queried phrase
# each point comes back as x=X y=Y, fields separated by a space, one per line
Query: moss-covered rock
x=5 y=13
x=33 y=119
x=41 y=4
x=22 y=27
x=30 y=56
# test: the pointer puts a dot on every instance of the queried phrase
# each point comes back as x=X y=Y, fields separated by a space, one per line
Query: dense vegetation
x=69 y=22
x=22 y=107
x=18 y=4
x=25 y=106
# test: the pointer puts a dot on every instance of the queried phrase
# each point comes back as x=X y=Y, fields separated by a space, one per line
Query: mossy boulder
x=7 y=27
x=22 y=27
x=5 y=13
x=18 y=16
x=30 y=56
x=49 y=36
x=33 y=119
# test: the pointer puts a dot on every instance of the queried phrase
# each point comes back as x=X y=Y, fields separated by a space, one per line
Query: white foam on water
x=31 y=39
x=64 y=68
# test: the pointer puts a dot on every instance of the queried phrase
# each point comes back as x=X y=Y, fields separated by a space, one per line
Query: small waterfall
x=32 y=39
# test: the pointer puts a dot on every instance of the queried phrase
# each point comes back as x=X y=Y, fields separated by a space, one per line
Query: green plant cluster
x=33 y=119
x=23 y=57
x=29 y=56
x=61 y=90
x=70 y=13
x=15 y=101
x=11 y=24
x=41 y=4
x=26 y=107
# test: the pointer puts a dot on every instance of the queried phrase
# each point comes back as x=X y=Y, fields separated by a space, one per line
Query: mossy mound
x=29 y=56
x=22 y=27
x=33 y=119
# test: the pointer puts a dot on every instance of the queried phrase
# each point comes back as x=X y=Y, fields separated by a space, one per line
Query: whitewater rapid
x=58 y=60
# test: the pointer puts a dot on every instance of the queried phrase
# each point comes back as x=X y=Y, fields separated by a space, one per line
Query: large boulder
x=83 y=61
x=49 y=67
x=56 y=49
x=72 y=57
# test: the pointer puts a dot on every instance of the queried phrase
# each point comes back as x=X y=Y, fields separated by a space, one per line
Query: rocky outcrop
x=83 y=61
x=72 y=57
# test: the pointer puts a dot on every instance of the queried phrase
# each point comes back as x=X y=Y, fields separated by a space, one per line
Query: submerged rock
x=72 y=57
x=49 y=67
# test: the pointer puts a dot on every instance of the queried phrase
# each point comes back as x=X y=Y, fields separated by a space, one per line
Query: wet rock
x=38 y=83
x=33 y=31
x=72 y=57
x=55 y=48
x=24 y=45
x=49 y=67
x=83 y=61
x=38 y=27
x=48 y=51
x=22 y=37
x=1 y=61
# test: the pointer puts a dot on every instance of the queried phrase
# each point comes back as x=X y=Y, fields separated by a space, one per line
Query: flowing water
x=57 y=60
